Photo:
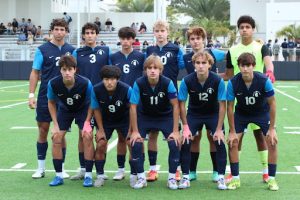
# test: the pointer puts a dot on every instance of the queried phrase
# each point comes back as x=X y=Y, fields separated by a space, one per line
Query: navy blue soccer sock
x=57 y=163
x=213 y=156
x=221 y=157
x=81 y=159
x=132 y=167
x=194 y=161
x=121 y=161
x=99 y=164
x=152 y=157
x=89 y=165
x=41 y=150
x=64 y=153
x=272 y=169
x=173 y=156
x=234 y=169
x=137 y=157
x=185 y=158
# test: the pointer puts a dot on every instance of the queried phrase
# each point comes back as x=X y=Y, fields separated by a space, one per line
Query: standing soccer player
x=90 y=59
x=207 y=106
x=68 y=99
x=110 y=104
x=130 y=62
x=197 y=37
x=45 y=65
x=246 y=26
x=172 y=58
x=154 y=107
x=255 y=104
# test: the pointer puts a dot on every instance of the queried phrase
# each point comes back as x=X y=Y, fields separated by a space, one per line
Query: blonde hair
x=161 y=24
x=153 y=60
x=205 y=55
x=199 y=31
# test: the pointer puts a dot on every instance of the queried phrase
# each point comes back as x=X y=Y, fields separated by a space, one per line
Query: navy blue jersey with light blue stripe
x=74 y=99
x=204 y=99
x=91 y=60
x=154 y=102
x=113 y=108
x=252 y=100
x=131 y=65
x=46 y=61
x=172 y=58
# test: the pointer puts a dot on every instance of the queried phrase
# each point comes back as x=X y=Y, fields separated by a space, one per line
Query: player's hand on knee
x=186 y=134
x=219 y=136
x=176 y=137
x=100 y=135
x=272 y=137
x=32 y=103
x=232 y=137
x=135 y=137
x=87 y=130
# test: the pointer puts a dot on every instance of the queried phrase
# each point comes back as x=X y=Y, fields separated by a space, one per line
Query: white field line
x=292 y=127
x=285 y=94
x=13 y=86
x=23 y=127
x=293 y=132
x=12 y=105
x=297 y=168
x=112 y=145
x=286 y=86
x=19 y=166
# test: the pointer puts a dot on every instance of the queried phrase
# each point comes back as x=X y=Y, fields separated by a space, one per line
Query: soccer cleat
x=177 y=175
x=272 y=184
x=120 y=175
x=140 y=183
x=56 y=181
x=215 y=176
x=172 y=184
x=38 y=174
x=184 y=183
x=65 y=175
x=78 y=176
x=105 y=177
x=132 y=180
x=99 y=182
x=193 y=176
x=228 y=178
x=265 y=178
x=234 y=184
x=222 y=184
x=87 y=182
x=152 y=175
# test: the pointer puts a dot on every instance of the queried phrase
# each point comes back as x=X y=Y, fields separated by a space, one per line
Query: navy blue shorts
x=65 y=118
x=146 y=124
x=241 y=122
x=122 y=128
x=43 y=114
x=196 y=123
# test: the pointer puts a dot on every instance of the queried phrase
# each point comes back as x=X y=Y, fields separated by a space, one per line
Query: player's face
x=196 y=42
x=126 y=43
x=161 y=34
x=202 y=65
x=90 y=37
x=68 y=73
x=246 y=71
x=246 y=30
x=110 y=84
x=153 y=71
x=59 y=33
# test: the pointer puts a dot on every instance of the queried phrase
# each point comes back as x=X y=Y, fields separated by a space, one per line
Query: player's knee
x=186 y=146
x=137 y=150
x=57 y=138
x=173 y=147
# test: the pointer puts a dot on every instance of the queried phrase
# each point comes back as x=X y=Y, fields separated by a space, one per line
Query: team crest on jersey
x=76 y=96
x=161 y=94
x=135 y=62
x=256 y=94
x=210 y=90
x=100 y=52
x=169 y=54
x=118 y=103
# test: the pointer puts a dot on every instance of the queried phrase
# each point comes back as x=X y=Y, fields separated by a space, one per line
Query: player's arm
x=134 y=100
x=100 y=132
x=222 y=110
x=230 y=115
x=128 y=97
x=229 y=72
x=271 y=135
x=268 y=63
x=172 y=95
x=180 y=60
x=87 y=129
x=52 y=108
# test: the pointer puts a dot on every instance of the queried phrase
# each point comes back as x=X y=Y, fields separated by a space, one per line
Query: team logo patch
x=161 y=94
x=100 y=52
x=76 y=96
x=256 y=94
x=135 y=62
x=118 y=103
x=169 y=54
x=68 y=54
x=210 y=90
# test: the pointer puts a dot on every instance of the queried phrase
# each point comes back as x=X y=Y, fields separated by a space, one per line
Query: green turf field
x=18 y=138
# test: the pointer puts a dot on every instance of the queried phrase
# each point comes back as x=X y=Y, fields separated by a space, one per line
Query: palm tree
x=135 y=6
x=290 y=31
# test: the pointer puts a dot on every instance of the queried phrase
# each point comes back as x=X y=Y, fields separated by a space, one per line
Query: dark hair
x=246 y=19
x=91 y=26
x=126 y=32
x=110 y=71
x=246 y=59
x=59 y=22
x=67 y=61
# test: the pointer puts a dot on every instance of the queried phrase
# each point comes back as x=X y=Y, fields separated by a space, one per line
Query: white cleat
x=65 y=175
x=222 y=184
x=38 y=174
x=132 y=180
x=172 y=184
x=120 y=175
x=79 y=176
x=140 y=183
x=184 y=183
x=99 y=182
x=105 y=177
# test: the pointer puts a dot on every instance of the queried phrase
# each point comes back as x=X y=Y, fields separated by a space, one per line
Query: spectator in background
x=275 y=50
x=269 y=45
x=108 y=25
x=48 y=37
x=145 y=45
x=291 y=45
x=143 y=28
x=133 y=26
x=22 y=25
x=136 y=45
x=210 y=43
x=29 y=24
x=298 y=50
x=9 y=28
x=284 y=47
x=218 y=45
x=2 y=28
x=98 y=23
x=102 y=43
x=34 y=30
x=177 y=41
x=67 y=18
x=30 y=38
x=39 y=32
x=15 y=25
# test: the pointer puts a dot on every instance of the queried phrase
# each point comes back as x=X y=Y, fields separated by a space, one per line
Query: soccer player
x=197 y=37
x=130 y=62
x=172 y=58
x=207 y=106
x=154 y=107
x=45 y=66
x=246 y=26
x=255 y=104
x=90 y=59
x=69 y=97
x=110 y=104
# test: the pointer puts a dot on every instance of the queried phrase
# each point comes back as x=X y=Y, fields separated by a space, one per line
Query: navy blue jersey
x=252 y=100
x=130 y=65
x=113 y=108
x=172 y=58
x=74 y=99
x=91 y=60
x=204 y=99
x=154 y=102
x=46 y=61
